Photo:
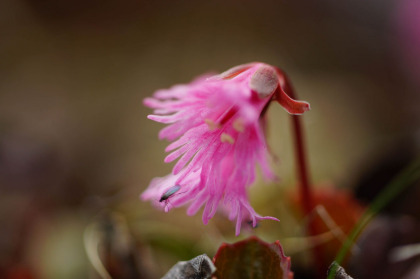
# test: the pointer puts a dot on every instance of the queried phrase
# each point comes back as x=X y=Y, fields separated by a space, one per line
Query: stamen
x=212 y=125
x=238 y=125
x=225 y=117
x=226 y=138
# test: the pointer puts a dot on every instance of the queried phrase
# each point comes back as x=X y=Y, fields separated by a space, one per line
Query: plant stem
x=300 y=151
x=302 y=169
x=303 y=174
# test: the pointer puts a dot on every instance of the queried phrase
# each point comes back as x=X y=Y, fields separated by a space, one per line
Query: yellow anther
x=226 y=138
x=212 y=125
x=238 y=125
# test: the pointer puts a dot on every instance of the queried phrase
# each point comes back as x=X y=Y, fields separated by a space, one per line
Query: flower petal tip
x=143 y=197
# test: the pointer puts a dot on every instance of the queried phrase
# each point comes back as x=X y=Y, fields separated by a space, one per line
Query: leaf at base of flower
x=252 y=258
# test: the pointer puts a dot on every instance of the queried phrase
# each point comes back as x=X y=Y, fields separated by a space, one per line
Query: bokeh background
x=76 y=149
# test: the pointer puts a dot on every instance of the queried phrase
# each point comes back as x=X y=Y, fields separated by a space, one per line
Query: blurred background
x=76 y=149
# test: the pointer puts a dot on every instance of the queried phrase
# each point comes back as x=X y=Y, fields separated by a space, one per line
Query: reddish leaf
x=337 y=212
x=252 y=258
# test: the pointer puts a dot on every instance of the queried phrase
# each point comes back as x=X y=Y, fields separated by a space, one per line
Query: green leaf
x=252 y=259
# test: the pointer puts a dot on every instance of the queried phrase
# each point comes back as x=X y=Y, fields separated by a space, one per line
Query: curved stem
x=301 y=158
x=300 y=152
x=301 y=162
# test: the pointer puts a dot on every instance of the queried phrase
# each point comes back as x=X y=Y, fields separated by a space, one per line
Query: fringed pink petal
x=184 y=160
x=163 y=119
x=197 y=204
x=238 y=221
x=177 y=153
x=217 y=131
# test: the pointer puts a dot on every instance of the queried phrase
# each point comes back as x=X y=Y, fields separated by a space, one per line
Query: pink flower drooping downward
x=215 y=125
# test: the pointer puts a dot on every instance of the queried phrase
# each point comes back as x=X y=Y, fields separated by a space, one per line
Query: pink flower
x=216 y=127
